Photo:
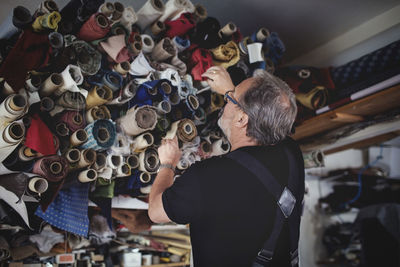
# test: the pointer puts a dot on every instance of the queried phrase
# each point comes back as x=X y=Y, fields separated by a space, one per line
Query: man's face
x=226 y=121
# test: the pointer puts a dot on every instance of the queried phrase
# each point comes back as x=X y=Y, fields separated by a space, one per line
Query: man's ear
x=241 y=120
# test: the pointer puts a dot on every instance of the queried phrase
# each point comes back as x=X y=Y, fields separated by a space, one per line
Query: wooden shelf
x=353 y=112
x=170 y=264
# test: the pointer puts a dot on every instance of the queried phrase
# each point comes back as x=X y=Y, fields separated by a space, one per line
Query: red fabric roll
x=180 y=26
x=91 y=31
x=31 y=52
x=200 y=61
x=73 y=119
x=39 y=137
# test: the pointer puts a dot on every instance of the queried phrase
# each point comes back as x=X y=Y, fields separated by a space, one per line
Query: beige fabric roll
x=107 y=8
x=123 y=170
x=73 y=155
x=200 y=12
x=262 y=34
x=172 y=7
x=128 y=18
x=142 y=142
x=149 y=161
x=220 y=147
x=148 y=43
x=114 y=161
x=149 y=13
x=98 y=96
x=88 y=157
x=118 y=10
x=78 y=137
x=133 y=161
x=87 y=176
x=33 y=84
x=72 y=77
x=38 y=184
x=101 y=161
x=10 y=137
x=157 y=28
x=122 y=68
x=138 y=120
x=163 y=50
x=145 y=177
x=184 y=129
x=12 y=108
x=51 y=84
x=229 y=29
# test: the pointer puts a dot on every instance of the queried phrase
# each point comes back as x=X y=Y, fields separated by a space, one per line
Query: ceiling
x=302 y=25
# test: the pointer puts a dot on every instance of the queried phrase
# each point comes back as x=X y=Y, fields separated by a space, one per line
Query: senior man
x=244 y=207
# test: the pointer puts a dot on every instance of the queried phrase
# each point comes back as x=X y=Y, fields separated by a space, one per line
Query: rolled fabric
x=136 y=47
x=72 y=100
x=180 y=26
x=220 y=147
x=172 y=75
x=101 y=162
x=118 y=10
x=79 y=137
x=243 y=45
x=189 y=105
x=276 y=48
x=122 y=68
x=14 y=162
x=180 y=43
x=22 y=17
x=73 y=119
x=163 y=107
x=260 y=36
x=114 y=161
x=97 y=113
x=26 y=153
x=33 y=84
x=217 y=102
x=157 y=28
x=62 y=129
x=184 y=129
x=315 y=98
x=73 y=156
x=114 y=47
x=142 y=142
x=227 y=30
x=149 y=161
x=183 y=164
x=149 y=13
x=200 y=116
x=38 y=184
x=128 y=18
x=121 y=145
x=148 y=43
x=72 y=77
x=107 y=9
x=200 y=12
x=106 y=173
x=47 y=7
x=53 y=168
x=101 y=135
x=123 y=170
x=138 y=120
x=87 y=176
x=12 y=108
x=88 y=58
x=96 y=27
x=47 y=21
x=87 y=158
x=98 y=96
x=314 y=159
x=133 y=161
x=56 y=40
x=163 y=50
x=172 y=7
x=11 y=137
x=205 y=149
x=51 y=84
x=226 y=55
x=140 y=66
x=200 y=61
x=112 y=80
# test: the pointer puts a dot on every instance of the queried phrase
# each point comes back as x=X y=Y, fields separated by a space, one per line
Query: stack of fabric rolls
x=90 y=90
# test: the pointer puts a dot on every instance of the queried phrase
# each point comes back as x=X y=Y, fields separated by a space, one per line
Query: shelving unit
x=354 y=112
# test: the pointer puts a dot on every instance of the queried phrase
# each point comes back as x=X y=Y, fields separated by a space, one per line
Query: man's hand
x=135 y=220
x=169 y=152
x=218 y=79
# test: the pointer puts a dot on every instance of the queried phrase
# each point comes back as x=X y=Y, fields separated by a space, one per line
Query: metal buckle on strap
x=265 y=255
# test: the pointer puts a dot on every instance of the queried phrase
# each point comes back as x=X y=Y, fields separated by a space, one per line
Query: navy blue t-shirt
x=230 y=212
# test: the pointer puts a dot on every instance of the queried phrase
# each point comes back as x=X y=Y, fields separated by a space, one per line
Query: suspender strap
x=285 y=200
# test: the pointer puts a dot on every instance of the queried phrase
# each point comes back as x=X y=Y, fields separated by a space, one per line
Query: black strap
x=265 y=255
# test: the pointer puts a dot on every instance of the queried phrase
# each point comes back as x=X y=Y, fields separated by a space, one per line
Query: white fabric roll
x=105 y=173
x=220 y=147
x=114 y=161
x=142 y=142
x=12 y=108
x=128 y=18
x=78 y=137
x=10 y=137
x=172 y=8
x=129 y=124
x=121 y=145
x=38 y=185
x=140 y=66
x=72 y=77
x=149 y=13
x=50 y=85
x=145 y=190
x=148 y=43
x=87 y=176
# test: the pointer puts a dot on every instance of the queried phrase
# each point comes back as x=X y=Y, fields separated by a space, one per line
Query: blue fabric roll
x=69 y=211
x=131 y=186
x=181 y=43
x=276 y=47
x=112 y=80
x=95 y=140
x=145 y=97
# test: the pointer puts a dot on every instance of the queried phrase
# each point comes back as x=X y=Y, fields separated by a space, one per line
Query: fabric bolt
x=47 y=21
x=226 y=55
x=104 y=188
x=39 y=137
x=14 y=162
x=128 y=18
x=200 y=13
x=98 y=96
x=31 y=51
x=180 y=26
x=51 y=84
x=69 y=211
x=145 y=94
x=97 y=113
x=180 y=43
x=140 y=66
x=184 y=129
x=200 y=60
x=142 y=142
x=11 y=137
x=126 y=94
x=172 y=7
x=88 y=58
x=206 y=35
x=22 y=17
x=138 y=120
x=227 y=31
x=149 y=13
x=149 y=161
x=276 y=47
x=72 y=100
x=101 y=135
x=131 y=186
x=148 y=43
x=12 y=108
x=112 y=80
x=73 y=120
x=96 y=27
x=46 y=239
x=72 y=77
x=314 y=99
x=158 y=28
x=163 y=50
x=46 y=7
x=260 y=35
x=114 y=47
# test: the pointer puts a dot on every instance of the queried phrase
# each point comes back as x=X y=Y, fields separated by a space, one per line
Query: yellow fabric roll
x=226 y=55
x=47 y=21
x=98 y=96
x=315 y=99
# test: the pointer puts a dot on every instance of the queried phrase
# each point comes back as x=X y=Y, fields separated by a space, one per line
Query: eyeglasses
x=230 y=98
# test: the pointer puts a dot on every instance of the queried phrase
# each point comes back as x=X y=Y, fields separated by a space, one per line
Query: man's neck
x=241 y=141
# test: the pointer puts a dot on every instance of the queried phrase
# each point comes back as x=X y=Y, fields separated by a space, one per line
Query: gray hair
x=271 y=107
